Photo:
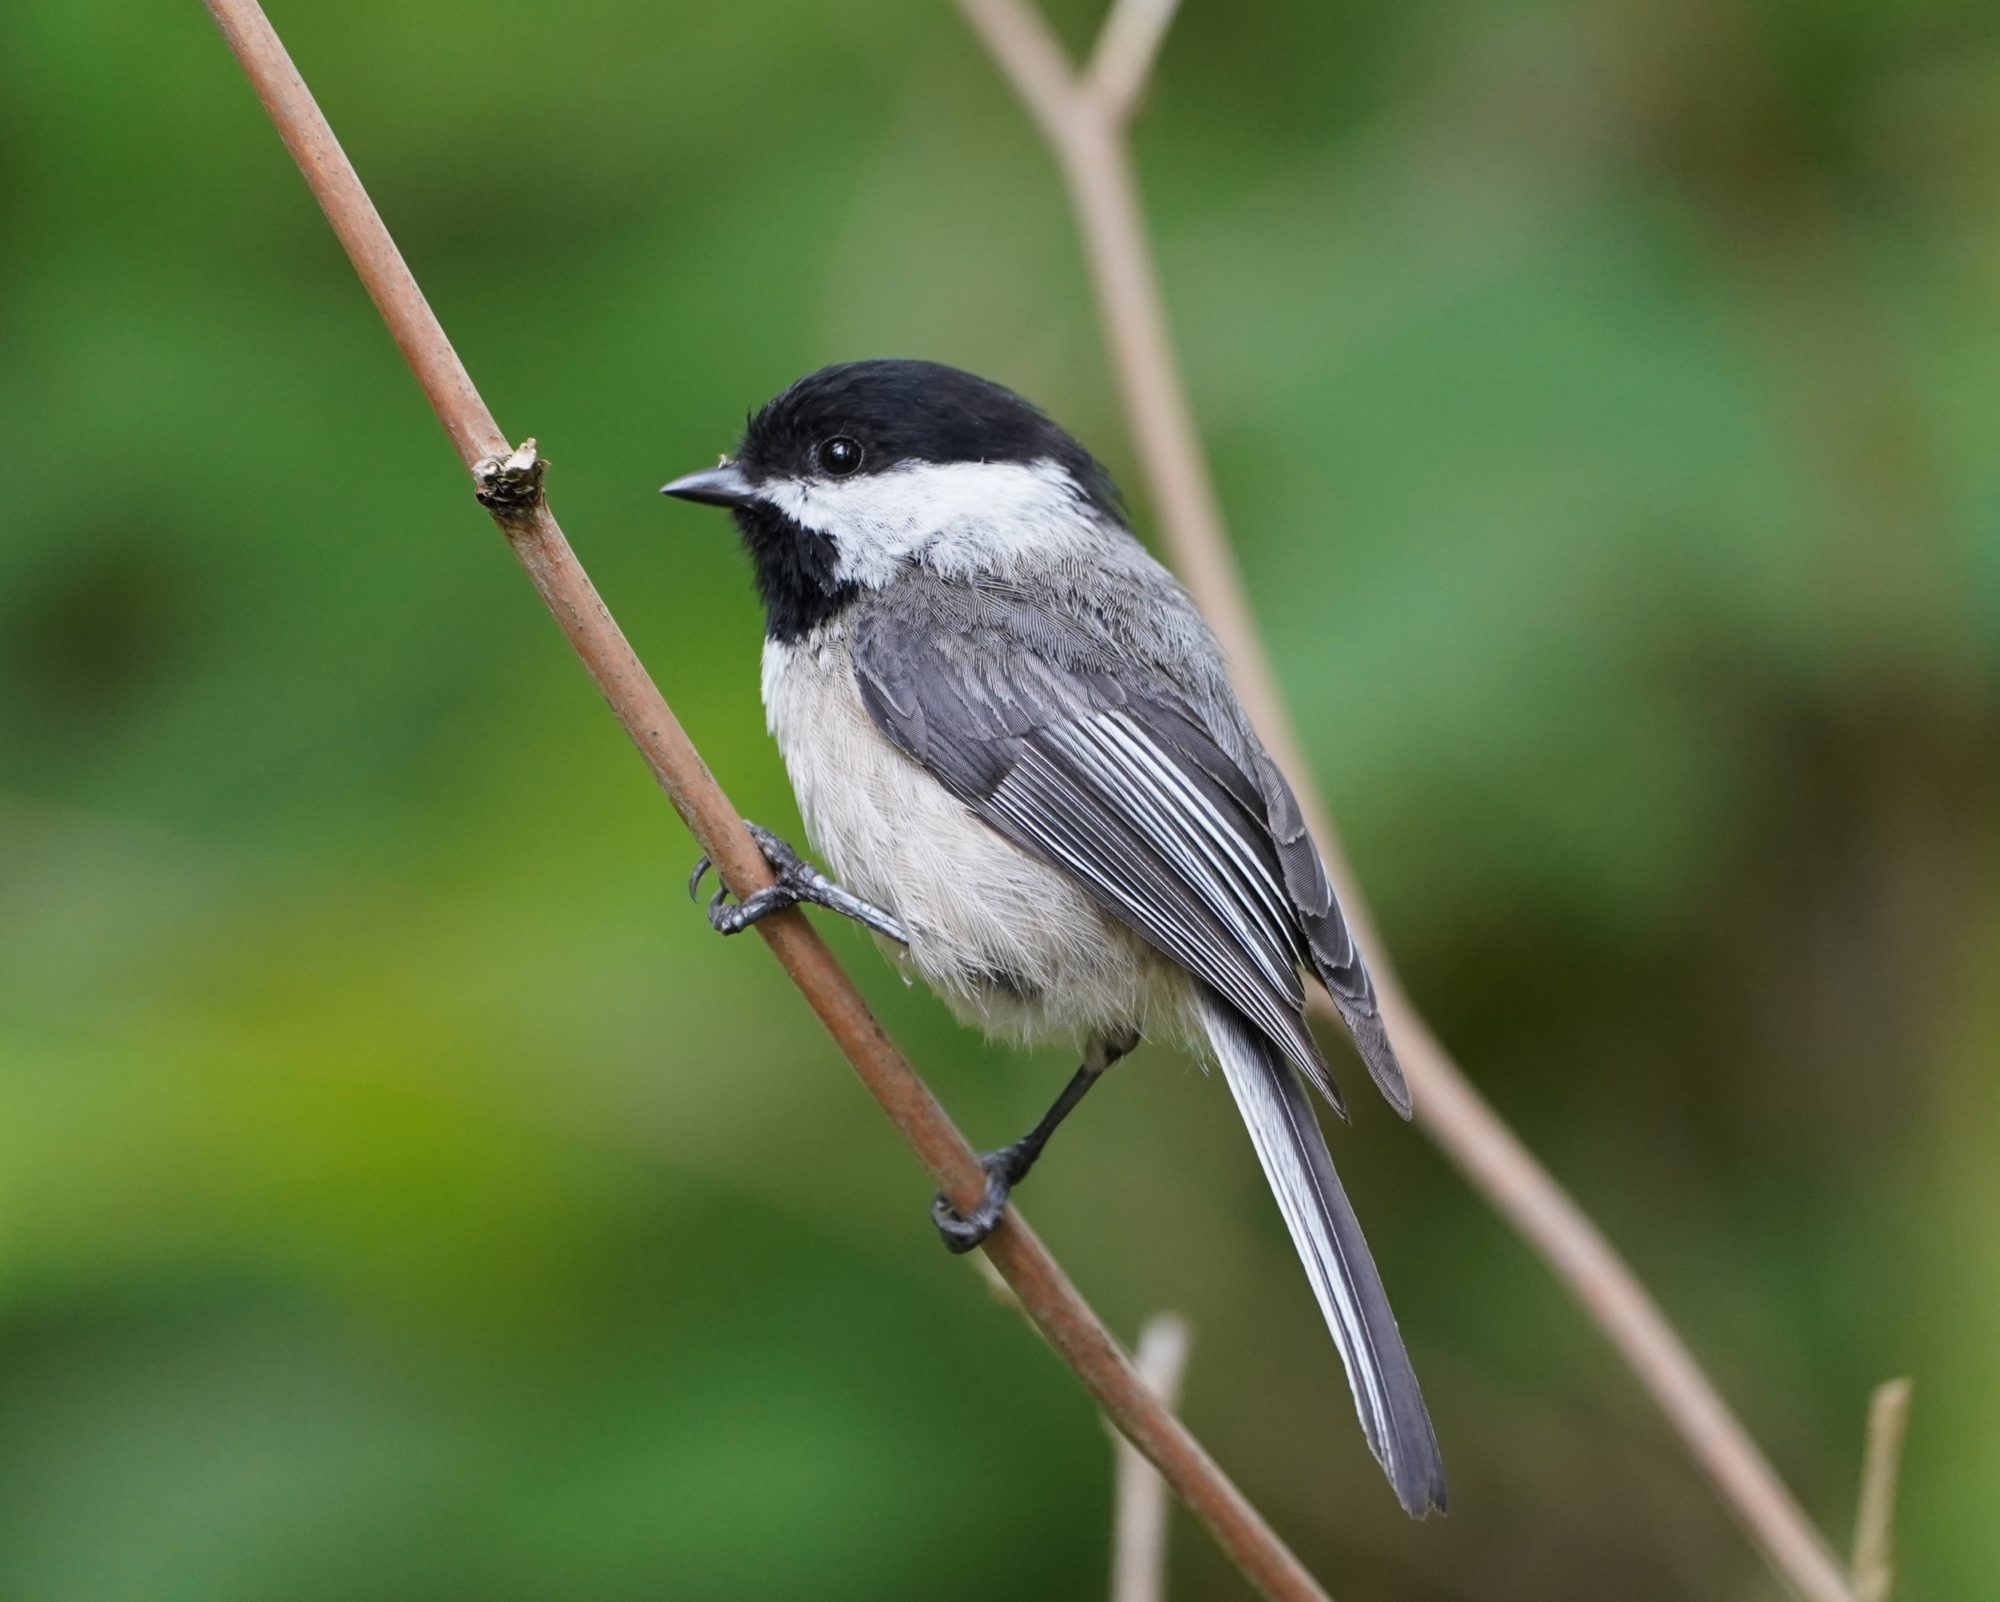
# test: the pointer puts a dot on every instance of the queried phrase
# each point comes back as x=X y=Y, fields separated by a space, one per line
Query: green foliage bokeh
x=403 y=1195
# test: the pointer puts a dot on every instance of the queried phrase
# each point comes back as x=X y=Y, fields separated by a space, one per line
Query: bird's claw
x=791 y=873
x=961 y=1232
x=778 y=853
x=794 y=880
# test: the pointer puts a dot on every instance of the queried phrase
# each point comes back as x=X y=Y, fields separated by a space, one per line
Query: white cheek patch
x=958 y=517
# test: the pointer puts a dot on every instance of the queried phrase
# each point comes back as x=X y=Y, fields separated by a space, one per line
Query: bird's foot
x=961 y=1232
x=794 y=880
x=789 y=874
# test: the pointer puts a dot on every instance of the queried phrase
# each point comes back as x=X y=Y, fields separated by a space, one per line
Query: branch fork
x=1084 y=117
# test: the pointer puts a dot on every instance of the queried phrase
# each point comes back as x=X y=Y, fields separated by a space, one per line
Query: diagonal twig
x=509 y=484
x=1881 y=1465
x=1085 y=130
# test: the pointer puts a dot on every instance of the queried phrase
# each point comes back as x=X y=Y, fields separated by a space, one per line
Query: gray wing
x=1117 y=779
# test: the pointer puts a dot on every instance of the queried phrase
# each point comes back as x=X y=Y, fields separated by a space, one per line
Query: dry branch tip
x=1874 y=1565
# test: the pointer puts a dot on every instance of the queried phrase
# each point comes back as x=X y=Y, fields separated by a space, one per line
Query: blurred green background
x=402 y=1195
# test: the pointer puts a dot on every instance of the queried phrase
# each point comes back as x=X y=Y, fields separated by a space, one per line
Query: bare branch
x=1122 y=64
x=509 y=484
x=1139 y=1518
x=1881 y=1466
x=1090 y=150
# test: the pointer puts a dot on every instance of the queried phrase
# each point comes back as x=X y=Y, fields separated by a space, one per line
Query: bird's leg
x=796 y=880
x=1008 y=1166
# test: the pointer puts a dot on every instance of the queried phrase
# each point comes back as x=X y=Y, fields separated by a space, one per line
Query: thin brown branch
x=1090 y=149
x=510 y=486
x=1139 y=1502
x=1881 y=1465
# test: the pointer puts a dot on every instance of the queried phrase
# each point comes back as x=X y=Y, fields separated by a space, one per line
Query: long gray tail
x=1324 y=1230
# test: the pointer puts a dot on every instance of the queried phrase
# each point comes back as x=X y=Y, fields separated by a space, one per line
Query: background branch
x=1085 y=130
x=1139 y=1495
x=509 y=484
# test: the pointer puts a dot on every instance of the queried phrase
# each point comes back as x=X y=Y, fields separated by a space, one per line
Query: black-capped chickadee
x=1013 y=739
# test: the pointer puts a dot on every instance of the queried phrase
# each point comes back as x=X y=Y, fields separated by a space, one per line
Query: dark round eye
x=840 y=456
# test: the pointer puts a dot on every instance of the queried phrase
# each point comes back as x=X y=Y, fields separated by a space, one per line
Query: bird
x=1014 y=743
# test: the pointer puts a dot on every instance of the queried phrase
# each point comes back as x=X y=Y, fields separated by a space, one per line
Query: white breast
x=1009 y=942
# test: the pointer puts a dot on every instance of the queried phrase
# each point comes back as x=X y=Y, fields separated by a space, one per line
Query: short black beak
x=724 y=485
